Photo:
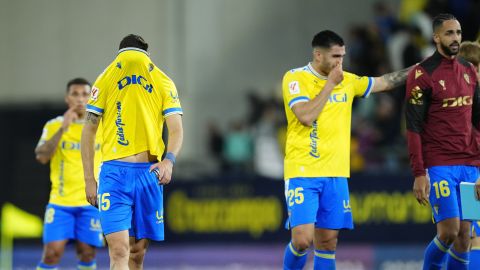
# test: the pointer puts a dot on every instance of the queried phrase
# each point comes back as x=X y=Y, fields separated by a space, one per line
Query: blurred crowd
x=393 y=40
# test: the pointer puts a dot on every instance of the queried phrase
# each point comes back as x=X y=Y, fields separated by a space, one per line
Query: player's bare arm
x=45 y=151
x=88 y=153
x=390 y=80
x=175 y=139
x=307 y=112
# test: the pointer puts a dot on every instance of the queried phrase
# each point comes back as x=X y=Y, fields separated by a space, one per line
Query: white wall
x=213 y=49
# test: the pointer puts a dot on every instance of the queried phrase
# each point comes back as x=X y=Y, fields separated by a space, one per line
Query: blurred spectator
x=216 y=143
x=238 y=149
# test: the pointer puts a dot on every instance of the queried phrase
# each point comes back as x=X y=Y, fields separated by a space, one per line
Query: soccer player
x=442 y=116
x=133 y=98
x=68 y=215
x=318 y=103
x=470 y=51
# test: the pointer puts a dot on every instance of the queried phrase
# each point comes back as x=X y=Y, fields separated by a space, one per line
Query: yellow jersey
x=133 y=97
x=66 y=169
x=322 y=150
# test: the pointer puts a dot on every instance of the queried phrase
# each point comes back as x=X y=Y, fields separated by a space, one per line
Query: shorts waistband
x=128 y=164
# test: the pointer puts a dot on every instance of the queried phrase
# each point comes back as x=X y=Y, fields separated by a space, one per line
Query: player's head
x=78 y=91
x=470 y=51
x=134 y=41
x=328 y=50
x=447 y=34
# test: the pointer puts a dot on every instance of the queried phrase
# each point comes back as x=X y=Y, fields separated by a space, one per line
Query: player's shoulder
x=56 y=120
x=428 y=65
x=296 y=72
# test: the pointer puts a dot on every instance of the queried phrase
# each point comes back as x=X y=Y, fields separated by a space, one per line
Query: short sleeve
x=171 y=101
x=98 y=96
x=294 y=90
x=47 y=133
x=363 y=85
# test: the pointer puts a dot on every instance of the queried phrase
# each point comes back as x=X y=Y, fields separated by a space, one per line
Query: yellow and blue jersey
x=322 y=150
x=133 y=97
x=66 y=169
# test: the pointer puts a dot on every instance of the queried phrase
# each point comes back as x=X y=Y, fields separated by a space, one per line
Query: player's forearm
x=44 y=152
x=415 y=152
x=307 y=112
x=175 y=134
x=390 y=81
x=87 y=145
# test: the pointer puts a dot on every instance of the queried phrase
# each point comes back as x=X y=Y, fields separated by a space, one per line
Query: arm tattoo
x=396 y=78
x=92 y=118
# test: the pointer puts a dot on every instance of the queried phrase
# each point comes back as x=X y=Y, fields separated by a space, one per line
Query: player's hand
x=477 y=189
x=336 y=74
x=91 y=192
x=68 y=117
x=163 y=170
x=421 y=189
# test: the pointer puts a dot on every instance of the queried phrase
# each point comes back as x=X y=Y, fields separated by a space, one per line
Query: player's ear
x=436 y=37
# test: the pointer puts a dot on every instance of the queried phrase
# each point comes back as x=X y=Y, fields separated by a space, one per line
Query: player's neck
x=442 y=53
x=316 y=66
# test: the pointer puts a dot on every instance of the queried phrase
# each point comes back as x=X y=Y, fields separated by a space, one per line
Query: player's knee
x=449 y=236
x=137 y=255
x=86 y=255
x=329 y=244
x=52 y=256
x=119 y=252
x=302 y=243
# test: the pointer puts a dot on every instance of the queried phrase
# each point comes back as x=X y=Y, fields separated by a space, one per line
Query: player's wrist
x=170 y=157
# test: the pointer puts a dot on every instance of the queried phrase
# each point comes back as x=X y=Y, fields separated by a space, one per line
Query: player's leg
x=302 y=204
x=58 y=228
x=88 y=234
x=334 y=214
x=118 y=250
x=459 y=253
x=138 y=249
x=475 y=249
x=86 y=256
x=443 y=200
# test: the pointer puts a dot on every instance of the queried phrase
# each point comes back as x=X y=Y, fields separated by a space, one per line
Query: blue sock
x=435 y=255
x=474 y=258
x=293 y=259
x=457 y=260
x=87 y=265
x=42 y=266
x=324 y=260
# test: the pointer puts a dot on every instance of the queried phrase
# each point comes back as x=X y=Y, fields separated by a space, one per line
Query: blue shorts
x=445 y=189
x=130 y=198
x=324 y=201
x=74 y=223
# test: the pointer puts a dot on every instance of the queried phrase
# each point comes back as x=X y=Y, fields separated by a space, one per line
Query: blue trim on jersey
x=369 y=87
x=297 y=99
x=94 y=109
x=172 y=110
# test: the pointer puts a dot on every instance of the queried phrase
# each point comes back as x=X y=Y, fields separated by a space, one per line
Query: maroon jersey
x=442 y=112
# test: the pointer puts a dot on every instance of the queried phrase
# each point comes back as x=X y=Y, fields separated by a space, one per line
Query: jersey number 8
x=297 y=194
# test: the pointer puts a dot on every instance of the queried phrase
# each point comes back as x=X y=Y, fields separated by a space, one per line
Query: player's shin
x=294 y=259
x=324 y=260
x=458 y=260
x=435 y=255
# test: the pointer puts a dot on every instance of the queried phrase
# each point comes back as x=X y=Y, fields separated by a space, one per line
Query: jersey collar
x=312 y=70
x=133 y=49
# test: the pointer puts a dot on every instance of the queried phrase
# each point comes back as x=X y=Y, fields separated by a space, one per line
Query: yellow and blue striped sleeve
x=171 y=101
x=294 y=90
x=98 y=96
x=363 y=85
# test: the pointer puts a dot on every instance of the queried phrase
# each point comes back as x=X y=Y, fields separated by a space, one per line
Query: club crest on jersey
x=294 y=88
x=94 y=94
x=466 y=77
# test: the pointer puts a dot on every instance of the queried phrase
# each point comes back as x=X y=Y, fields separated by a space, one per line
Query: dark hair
x=326 y=39
x=135 y=41
x=440 y=18
x=80 y=81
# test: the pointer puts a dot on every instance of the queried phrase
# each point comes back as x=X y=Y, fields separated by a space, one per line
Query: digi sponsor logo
x=120 y=125
x=135 y=79
x=66 y=145
x=294 y=88
x=314 y=140
x=94 y=94
x=346 y=206
x=457 y=102
x=337 y=98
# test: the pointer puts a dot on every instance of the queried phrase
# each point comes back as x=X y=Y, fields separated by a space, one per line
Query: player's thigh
x=59 y=224
x=53 y=250
x=85 y=251
x=115 y=197
x=444 y=198
x=448 y=228
x=118 y=244
x=334 y=210
x=148 y=221
x=87 y=226
x=302 y=198
x=139 y=246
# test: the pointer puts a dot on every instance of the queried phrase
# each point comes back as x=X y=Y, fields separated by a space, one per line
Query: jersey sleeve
x=47 y=133
x=98 y=96
x=294 y=90
x=171 y=102
x=363 y=85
